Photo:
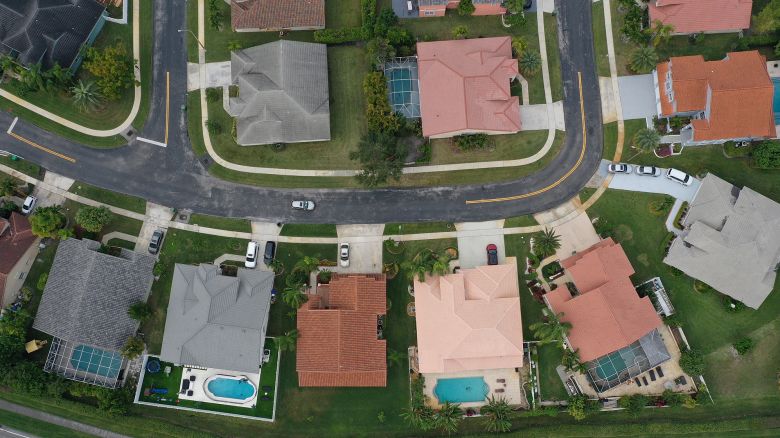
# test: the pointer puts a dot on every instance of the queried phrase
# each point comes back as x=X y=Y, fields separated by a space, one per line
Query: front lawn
x=122 y=224
x=520 y=221
x=26 y=167
x=128 y=202
x=600 y=39
x=500 y=147
x=309 y=230
x=630 y=128
x=418 y=227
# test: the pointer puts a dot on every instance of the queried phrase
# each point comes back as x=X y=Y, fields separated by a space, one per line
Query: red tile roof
x=337 y=342
x=694 y=16
x=464 y=86
x=16 y=237
x=608 y=314
x=740 y=95
x=277 y=14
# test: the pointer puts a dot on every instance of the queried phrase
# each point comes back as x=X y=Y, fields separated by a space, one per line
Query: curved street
x=173 y=176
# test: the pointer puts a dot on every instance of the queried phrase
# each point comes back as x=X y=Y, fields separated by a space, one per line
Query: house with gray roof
x=282 y=93
x=84 y=308
x=217 y=321
x=730 y=241
x=49 y=31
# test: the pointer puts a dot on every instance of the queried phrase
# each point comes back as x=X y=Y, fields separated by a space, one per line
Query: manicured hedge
x=336 y=36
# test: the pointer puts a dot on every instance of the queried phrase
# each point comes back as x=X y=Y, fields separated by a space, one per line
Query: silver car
x=648 y=171
x=619 y=168
x=303 y=205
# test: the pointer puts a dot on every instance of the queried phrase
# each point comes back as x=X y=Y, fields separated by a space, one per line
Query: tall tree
x=46 y=221
x=497 y=415
x=381 y=156
x=551 y=330
x=287 y=341
x=571 y=361
x=293 y=296
x=546 y=243
x=660 y=32
x=113 y=68
x=466 y=7
x=140 y=311
x=7 y=186
x=308 y=264
x=768 y=20
x=448 y=417
x=133 y=348
x=644 y=59
x=646 y=139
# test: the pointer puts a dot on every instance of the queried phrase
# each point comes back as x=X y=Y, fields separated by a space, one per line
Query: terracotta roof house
x=464 y=87
x=731 y=241
x=437 y=8
x=613 y=329
x=49 y=31
x=469 y=320
x=702 y=16
x=340 y=341
x=282 y=93
x=730 y=99
x=272 y=15
x=17 y=251
x=84 y=308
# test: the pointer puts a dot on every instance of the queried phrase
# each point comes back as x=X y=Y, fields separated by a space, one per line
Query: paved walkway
x=118 y=235
x=614 y=79
x=124 y=126
x=59 y=421
x=217 y=75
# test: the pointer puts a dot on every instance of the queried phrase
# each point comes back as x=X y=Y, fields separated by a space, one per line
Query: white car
x=679 y=176
x=344 y=255
x=303 y=205
x=29 y=204
x=619 y=168
x=648 y=171
x=251 y=255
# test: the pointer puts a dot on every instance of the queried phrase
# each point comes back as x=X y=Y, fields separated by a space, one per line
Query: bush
x=368 y=17
x=213 y=94
x=46 y=221
x=385 y=21
x=380 y=116
x=93 y=219
x=471 y=142
x=114 y=69
x=692 y=362
x=633 y=404
x=214 y=127
x=766 y=155
x=672 y=398
x=466 y=7
x=159 y=269
x=337 y=36
x=42 y=279
x=743 y=346
x=581 y=406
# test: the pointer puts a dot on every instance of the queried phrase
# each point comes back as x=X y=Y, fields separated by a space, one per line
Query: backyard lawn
x=132 y=203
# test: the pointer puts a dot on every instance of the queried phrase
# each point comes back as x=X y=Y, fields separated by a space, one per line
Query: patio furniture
x=167 y=371
x=499 y=390
x=265 y=398
x=681 y=381
x=652 y=375
x=660 y=371
x=501 y=380
x=185 y=385
x=192 y=378
x=638 y=383
x=189 y=393
x=644 y=380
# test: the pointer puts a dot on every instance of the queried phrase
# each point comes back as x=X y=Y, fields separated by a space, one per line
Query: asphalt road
x=174 y=177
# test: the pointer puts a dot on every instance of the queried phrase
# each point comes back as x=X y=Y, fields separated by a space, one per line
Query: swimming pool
x=776 y=100
x=96 y=361
x=461 y=389
x=232 y=389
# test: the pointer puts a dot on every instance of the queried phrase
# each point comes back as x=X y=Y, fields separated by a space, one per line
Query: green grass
x=711 y=46
x=520 y=221
x=40 y=428
x=221 y=223
x=501 y=147
x=121 y=243
x=586 y=193
x=132 y=203
x=630 y=128
x=549 y=382
x=342 y=13
x=623 y=47
x=309 y=230
x=418 y=227
x=187 y=248
x=600 y=39
x=119 y=223
x=26 y=167
x=194 y=125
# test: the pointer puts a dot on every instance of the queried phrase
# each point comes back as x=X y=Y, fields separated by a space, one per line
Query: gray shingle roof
x=731 y=241
x=216 y=321
x=88 y=293
x=283 y=93
x=47 y=31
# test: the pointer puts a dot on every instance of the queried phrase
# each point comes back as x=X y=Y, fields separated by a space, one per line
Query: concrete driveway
x=637 y=96
x=576 y=235
x=365 y=248
x=649 y=184
x=473 y=239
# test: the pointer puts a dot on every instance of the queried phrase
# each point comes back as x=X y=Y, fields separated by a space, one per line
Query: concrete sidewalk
x=59 y=421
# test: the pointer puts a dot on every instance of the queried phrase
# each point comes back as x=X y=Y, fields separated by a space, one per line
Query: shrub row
x=336 y=36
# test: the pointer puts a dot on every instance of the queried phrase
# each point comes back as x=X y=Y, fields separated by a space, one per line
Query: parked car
x=251 y=255
x=492 y=254
x=648 y=171
x=344 y=255
x=303 y=205
x=156 y=243
x=619 y=168
x=679 y=176
x=28 y=205
x=269 y=253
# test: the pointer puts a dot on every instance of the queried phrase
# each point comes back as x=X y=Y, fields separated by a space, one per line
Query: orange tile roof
x=607 y=315
x=740 y=95
x=16 y=237
x=464 y=86
x=277 y=14
x=694 y=16
x=337 y=342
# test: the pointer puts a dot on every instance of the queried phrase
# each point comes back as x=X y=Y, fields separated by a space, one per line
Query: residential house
x=437 y=8
x=614 y=331
x=17 y=252
x=729 y=99
x=84 y=308
x=701 y=16
x=470 y=334
x=217 y=321
x=731 y=241
x=464 y=87
x=49 y=32
x=340 y=333
x=282 y=93
x=274 y=15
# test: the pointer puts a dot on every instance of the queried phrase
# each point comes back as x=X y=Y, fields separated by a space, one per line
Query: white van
x=251 y=255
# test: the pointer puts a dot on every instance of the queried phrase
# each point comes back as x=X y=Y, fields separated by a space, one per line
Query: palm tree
x=529 y=62
x=646 y=139
x=644 y=59
x=293 y=296
x=419 y=416
x=287 y=341
x=497 y=415
x=308 y=264
x=31 y=77
x=571 y=361
x=277 y=266
x=519 y=44
x=7 y=187
x=448 y=417
x=7 y=64
x=85 y=95
x=234 y=45
x=441 y=265
x=395 y=357
x=546 y=243
x=551 y=330
x=660 y=32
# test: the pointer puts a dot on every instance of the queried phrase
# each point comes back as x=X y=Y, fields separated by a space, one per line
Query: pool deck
x=511 y=388
x=199 y=393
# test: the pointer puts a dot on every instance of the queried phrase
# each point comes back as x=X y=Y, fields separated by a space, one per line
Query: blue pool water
x=776 y=100
x=96 y=361
x=461 y=390
x=231 y=388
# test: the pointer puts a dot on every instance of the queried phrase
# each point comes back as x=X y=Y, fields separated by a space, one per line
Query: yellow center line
x=45 y=149
x=561 y=179
x=167 y=103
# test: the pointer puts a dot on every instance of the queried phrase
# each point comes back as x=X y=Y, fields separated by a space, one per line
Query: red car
x=492 y=254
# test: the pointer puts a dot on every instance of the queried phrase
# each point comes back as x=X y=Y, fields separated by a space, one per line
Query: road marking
x=167 y=103
x=561 y=179
x=11 y=128
x=156 y=143
x=45 y=149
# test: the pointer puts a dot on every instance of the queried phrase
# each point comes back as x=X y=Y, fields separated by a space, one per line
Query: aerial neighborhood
x=400 y=218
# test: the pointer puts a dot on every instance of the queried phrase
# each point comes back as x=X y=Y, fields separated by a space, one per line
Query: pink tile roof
x=469 y=320
x=694 y=16
x=464 y=86
x=277 y=14
x=16 y=237
x=607 y=315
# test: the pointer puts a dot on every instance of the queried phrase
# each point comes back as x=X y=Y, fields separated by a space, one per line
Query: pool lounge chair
x=659 y=371
x=192 y=378
x=644 y=380
x=499 y=390
x=652 y=375
x=185 y=385
x=638 y=383
x=501 y=380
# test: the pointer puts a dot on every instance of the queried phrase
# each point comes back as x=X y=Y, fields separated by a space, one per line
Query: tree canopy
x=93 y=219
x=46 y=221
x=381 y=157
x=114 y=69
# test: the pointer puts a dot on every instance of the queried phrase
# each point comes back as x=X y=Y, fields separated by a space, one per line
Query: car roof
x=677 y=173
x=252 y=245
